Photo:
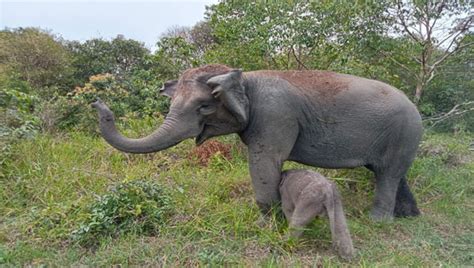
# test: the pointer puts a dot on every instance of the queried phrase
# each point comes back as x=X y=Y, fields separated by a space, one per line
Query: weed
x=51 y=183
x=138 y=207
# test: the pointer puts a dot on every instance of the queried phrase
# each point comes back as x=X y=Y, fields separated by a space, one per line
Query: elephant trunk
x=162 y=138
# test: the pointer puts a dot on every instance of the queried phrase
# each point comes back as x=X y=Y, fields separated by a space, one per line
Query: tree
x=450 y=95
x=37 y=56
x=173 y=56
x=201 y=36
x=181 y=47
x=436 y=28
x=292 y=35
x=119 y=57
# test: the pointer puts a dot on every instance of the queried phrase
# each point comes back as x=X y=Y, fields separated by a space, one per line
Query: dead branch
x=404 y=23
x=455 y=111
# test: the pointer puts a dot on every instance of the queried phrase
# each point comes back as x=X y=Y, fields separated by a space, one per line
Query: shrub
x=136 y=97
x=16 y=108
x=138 y=207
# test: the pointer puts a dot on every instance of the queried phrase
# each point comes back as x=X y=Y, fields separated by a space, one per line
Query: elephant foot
x=291 y=236
x=346 y=252
x=265 y=208
x=381 y=215
x=404 y=210
x=405 y=204
x=265 y=219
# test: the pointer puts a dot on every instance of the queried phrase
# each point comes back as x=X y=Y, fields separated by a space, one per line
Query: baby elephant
x=306 y=194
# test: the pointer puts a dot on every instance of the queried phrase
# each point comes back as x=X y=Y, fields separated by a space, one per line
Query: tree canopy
x=424 y=48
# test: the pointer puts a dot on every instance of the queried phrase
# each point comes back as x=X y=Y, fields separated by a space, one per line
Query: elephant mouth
x=208 y=131
x=202 y=137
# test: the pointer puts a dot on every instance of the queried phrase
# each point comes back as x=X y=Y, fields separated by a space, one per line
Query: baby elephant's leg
x=309 y=206
x=341 y=237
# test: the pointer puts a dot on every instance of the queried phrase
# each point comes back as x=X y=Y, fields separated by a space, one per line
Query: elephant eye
x=207 y=109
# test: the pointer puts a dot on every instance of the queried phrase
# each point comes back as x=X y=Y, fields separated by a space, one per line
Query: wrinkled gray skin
x=317 y=118
x=306 y=194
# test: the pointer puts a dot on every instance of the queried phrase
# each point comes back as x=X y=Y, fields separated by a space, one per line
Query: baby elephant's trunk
x=341 y=238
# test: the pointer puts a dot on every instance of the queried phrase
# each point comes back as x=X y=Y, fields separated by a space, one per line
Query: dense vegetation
x=67 y=197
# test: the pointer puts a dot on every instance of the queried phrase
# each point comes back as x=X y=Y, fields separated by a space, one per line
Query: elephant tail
x=341 y=237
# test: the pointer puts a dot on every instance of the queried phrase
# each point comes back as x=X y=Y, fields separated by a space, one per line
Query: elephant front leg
x=268 y=149
x=265 y=171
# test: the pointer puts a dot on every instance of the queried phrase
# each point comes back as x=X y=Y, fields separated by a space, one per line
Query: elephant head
x=205 y=102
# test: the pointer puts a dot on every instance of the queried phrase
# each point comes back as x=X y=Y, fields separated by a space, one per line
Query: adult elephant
x=318 y=118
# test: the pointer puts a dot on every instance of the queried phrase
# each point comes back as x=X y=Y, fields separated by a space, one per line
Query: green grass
x=48 y=183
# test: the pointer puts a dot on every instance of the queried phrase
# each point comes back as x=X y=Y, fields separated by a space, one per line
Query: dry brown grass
x=204 y=153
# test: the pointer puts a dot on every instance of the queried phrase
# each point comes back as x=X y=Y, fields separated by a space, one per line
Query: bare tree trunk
x=418 y=92
x=419 y=21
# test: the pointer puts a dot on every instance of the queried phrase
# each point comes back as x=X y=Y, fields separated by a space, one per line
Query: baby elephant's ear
x=169 y=88
x=228 y=88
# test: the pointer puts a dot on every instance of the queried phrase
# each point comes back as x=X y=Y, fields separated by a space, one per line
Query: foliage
x=57 y=182
x=16 y=117
x=119 y=57
x=37 y=57
x=181 y=48
x=138 y=207
x=291 y=35
x=104 y=86
x=74 y=111
x=174 y=55
x=52 y=182
x=362 y=39
x=367 y=39
x=134 y=97
x=452 y=85
x=16 y=106
x=436 y=28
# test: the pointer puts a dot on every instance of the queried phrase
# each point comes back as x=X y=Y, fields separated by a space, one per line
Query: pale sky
x=143 y=20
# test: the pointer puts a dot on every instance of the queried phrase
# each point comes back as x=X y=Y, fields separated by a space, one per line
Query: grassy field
x=47 y=184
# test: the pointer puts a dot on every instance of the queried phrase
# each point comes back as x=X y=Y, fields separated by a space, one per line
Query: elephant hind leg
x=394 y=155
x=386 y=186
x=405 y=203
x=392 y=193
x=305 y=211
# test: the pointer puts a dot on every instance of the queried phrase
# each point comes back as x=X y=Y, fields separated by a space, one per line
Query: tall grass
x=49 y=182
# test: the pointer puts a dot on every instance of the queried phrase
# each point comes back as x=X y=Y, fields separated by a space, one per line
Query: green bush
x=139 y=207
x=135 y=97
x=16 y=107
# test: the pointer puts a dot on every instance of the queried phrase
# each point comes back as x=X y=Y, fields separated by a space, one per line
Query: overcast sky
x=143 y=20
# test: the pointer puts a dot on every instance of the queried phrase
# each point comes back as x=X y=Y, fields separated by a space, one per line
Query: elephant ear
x=228 y=88
x=169 y=88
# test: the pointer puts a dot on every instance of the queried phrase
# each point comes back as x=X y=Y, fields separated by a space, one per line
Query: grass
x=49 y=181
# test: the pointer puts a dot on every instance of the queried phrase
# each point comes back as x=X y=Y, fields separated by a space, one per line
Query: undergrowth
x=169 y=209
x=138 y=207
